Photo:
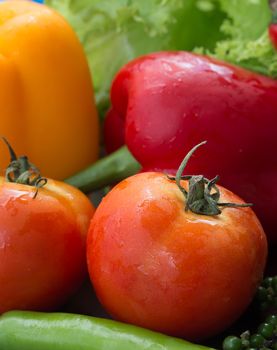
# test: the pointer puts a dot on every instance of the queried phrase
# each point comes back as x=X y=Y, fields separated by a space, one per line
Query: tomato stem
x=20 y=170
x=203 y=195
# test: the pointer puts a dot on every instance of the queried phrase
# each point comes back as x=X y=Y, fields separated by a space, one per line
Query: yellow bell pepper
x=47 y=107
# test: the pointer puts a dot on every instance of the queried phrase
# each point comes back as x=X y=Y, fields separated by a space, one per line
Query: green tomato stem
x=21 y=171
x=23 y=330
x=203 y=195
x=106 y=171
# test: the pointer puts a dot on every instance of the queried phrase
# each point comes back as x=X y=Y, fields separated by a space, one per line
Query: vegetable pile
x=176 y=254
x=25 y=330
x=168 y=102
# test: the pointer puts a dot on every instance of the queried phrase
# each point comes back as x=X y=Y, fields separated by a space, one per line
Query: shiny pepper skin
x=170 y=101
x=47 y=105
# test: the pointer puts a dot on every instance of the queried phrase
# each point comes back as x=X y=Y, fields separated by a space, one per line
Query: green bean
x=23 y=330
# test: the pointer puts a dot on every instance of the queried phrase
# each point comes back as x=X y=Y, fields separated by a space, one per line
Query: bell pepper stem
x=106 y=171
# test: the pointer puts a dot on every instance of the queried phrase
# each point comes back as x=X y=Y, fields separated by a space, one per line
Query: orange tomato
x=42 y=244
x=156 y=265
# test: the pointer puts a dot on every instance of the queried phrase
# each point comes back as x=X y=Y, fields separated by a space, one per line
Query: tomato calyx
x=203 y=195
x=20 y=170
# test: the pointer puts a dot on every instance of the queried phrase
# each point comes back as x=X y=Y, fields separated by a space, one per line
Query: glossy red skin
x=42 y=245
x=158 y=266
x=172 y=101
x=272 y=31
x=113 y=131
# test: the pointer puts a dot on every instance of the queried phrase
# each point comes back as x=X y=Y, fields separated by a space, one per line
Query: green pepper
x=106 y=171
x=24 y=330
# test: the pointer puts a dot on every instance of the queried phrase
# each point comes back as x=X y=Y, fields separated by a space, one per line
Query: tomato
x=159 y=266
x=42 y=244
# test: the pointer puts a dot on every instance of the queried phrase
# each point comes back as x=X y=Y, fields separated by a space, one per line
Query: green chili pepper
x=106 y=171
x=24 y=330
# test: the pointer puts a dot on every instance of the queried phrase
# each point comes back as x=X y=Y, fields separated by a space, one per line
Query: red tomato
x=156 y=265
x=42 y=244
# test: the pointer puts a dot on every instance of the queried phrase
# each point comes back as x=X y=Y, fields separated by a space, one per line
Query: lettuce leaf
x=247 y=42
x=115 y=31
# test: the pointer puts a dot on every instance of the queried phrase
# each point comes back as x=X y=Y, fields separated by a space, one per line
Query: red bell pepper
x=165 y=103
x=170 y=101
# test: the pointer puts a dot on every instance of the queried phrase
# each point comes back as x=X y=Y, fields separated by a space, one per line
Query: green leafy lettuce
x=246 y=40
x=115 y=31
